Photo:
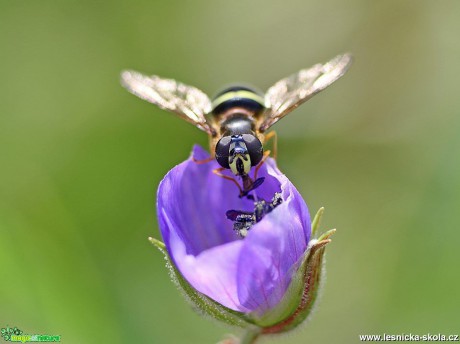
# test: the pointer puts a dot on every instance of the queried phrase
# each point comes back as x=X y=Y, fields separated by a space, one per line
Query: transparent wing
x=187 y=102
x=288 y=93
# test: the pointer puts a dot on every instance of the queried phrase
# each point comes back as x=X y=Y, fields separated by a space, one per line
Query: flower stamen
x=244 y=220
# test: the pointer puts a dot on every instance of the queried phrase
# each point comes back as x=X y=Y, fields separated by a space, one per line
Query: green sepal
x=199 y=301
x=316 y=221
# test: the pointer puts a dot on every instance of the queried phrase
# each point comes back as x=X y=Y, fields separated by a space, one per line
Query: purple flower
x=249 y=275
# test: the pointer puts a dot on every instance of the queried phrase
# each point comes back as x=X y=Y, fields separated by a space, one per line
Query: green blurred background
x=81 y=159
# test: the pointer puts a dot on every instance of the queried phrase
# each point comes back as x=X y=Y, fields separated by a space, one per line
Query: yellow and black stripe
x=238 y=96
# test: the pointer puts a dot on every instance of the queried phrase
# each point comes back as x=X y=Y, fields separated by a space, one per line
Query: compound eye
x=255 y=148
x=222 y=151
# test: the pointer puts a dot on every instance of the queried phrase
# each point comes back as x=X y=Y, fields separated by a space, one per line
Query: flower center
x=244 y=220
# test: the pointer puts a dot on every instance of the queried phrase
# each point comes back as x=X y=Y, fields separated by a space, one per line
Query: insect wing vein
x=187 y=102
x=285 y=95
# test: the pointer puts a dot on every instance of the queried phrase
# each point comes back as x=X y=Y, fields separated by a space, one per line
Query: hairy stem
x=250 y=335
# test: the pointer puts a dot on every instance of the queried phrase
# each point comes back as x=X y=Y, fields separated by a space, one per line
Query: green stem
x=250 y=335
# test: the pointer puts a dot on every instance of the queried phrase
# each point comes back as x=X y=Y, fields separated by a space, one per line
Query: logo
x=14 y=334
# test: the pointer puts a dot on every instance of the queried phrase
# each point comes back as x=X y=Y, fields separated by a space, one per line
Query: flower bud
x=267 y=280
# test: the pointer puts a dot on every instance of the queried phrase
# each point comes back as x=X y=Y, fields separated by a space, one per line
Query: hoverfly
x=238 y=117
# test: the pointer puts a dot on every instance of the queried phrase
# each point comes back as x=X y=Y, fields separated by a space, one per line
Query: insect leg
x=272 y=135
x=204 y=161
x=218 y=171
x=266 y=155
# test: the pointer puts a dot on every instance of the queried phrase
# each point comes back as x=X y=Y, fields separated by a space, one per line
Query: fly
x=237 y=118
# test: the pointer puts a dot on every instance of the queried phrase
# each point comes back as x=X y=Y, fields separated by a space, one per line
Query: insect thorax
x=236 y=123
x=236 y=109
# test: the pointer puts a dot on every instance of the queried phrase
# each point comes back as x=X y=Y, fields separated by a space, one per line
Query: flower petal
x=244 y=275
x=272 y=250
